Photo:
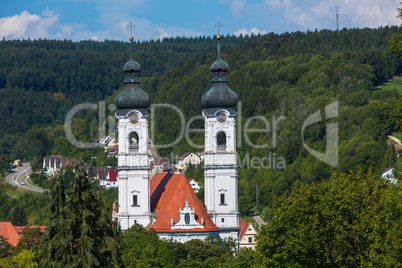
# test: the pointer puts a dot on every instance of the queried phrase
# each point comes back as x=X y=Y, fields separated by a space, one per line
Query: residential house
x=247 y=235
x=188 y=158
x=111 y=178
x=194 y=185
x=53 y=164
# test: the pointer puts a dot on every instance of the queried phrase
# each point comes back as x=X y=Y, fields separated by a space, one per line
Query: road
x=395 y=139
x=20 y=175
x=258 y=219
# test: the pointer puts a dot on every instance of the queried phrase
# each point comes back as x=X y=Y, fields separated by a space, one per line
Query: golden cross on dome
x=218 y=25
x=131 y=26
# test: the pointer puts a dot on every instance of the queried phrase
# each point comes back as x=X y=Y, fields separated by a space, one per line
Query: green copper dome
x=132 y=96
x=219 y=95
x=132 y=65
x=218 y=65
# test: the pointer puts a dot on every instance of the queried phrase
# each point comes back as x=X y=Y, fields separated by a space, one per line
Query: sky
x=108 y=19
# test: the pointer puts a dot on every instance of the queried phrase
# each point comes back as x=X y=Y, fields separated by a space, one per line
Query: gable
x=8 y=231
x=169 y=194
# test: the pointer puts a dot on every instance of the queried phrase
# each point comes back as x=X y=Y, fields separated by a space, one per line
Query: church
x=166 y=202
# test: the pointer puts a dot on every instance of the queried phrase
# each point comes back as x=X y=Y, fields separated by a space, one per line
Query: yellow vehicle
x=17 y=162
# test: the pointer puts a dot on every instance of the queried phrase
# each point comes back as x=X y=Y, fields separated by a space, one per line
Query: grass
x=395 y=83
x=10 y=190
x=29 y=182
x=397 y=135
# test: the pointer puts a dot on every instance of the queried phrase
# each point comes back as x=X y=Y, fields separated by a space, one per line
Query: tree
x=395 y=42
x=24 y=259
x=143 y=248
x=31 y=237
x=5 y=247
x=354 y=220
x=18 y=216
x=80 y=233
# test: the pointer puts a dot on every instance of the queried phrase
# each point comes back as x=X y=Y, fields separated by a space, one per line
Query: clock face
x=134 y=117
x=221 y=117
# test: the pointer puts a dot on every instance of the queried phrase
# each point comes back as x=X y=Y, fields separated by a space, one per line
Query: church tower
x=133 y=159
x=220 y=150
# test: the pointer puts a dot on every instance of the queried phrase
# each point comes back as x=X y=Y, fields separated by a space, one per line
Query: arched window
x=221 y=141
x=133 y=141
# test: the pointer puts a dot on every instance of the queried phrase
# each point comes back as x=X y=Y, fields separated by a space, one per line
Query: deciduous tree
x=352 y=221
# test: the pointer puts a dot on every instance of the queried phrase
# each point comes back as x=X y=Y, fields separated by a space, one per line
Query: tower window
x=135 y=201
x=222 y=199
x=223 y=219
x=133 y=141
x=221 y=141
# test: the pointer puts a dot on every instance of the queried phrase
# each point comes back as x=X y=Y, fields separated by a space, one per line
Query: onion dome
x=132 y=96
x=219 y=95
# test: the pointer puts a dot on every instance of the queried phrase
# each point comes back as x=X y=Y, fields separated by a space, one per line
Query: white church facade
x=166 y=202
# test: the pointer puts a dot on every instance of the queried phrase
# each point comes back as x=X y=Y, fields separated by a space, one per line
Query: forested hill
x=289 y=74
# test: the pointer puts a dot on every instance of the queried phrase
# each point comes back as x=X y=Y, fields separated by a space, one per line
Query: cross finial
x=131 y=26
x=218 y=25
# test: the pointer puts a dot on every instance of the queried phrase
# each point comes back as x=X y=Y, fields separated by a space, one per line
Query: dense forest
x=292 y=75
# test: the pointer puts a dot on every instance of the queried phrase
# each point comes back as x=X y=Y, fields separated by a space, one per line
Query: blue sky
x=108 y=19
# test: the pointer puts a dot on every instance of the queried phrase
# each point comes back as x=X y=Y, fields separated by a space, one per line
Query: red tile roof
x=14 y=233
x=7 y=231
x=169 y=193
x=114 y=150
x=113 y=174
x=243 y=228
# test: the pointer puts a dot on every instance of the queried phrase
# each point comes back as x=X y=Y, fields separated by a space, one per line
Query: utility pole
x=337 y=17
x=256 y=192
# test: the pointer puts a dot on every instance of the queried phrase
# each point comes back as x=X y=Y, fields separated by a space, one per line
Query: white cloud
x=16 y=26
x=162 y=33
x=310 y=14
x=32 y=26
x=359 y=13
x=278 y=3
x=253 y=30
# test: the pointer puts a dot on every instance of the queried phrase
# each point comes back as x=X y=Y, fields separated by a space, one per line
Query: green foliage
x=31 y=238
x=25 y=259
x=39 y=179
x=143 y=248
x=79 y=231
x=354 y=220
x=18 y=216
x=5 y=247
x=28 y=203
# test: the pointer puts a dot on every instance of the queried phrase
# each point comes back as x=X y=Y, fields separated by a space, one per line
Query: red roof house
x=247 y=235
x=112 y=178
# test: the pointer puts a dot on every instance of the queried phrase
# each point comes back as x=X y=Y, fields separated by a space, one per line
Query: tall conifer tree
x=80 y=233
